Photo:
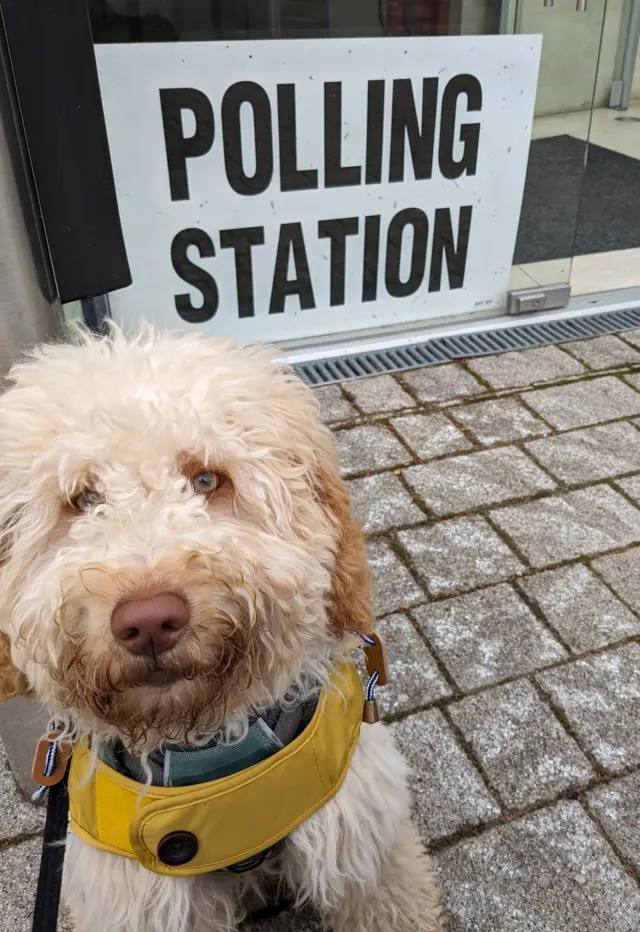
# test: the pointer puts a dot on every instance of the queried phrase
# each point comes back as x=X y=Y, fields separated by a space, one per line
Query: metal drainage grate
x=447 y=349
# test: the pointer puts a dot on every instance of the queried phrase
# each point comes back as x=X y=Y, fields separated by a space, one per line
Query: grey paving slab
x=633 y=336
x=485 y=637
x=603 y=352
x=564 y=527
x=622 y=572
x=600 y=696
x=448 y=791
x=368 y=449
x=17 y=816
x=633 y=379
x=547 y=872
x=579 y=404
x=631 y=486
x=394 y=588
x=334 y=407
x=454 y=556
x=456 y=485
x=580 y=608
x=414 y=678
x=380 y=393
x=590 y=454
x=520 y=744
x=616 y=807
x=526 y=367
x=382 y=502
x=431 y=435
x=441 y=383
x=501 y=420
x=18 y=878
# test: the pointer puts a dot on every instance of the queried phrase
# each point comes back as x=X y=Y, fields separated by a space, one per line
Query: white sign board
x=279 y=190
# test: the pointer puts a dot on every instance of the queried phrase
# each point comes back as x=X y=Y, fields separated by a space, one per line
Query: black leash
x=45 y=913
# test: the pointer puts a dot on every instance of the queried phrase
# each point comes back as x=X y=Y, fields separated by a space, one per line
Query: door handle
x=548 y=2
x=581 y=6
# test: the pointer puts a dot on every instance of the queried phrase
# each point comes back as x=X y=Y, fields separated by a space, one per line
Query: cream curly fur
x=272 y=566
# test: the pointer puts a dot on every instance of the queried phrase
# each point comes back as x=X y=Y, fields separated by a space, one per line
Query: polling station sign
x=285 y=189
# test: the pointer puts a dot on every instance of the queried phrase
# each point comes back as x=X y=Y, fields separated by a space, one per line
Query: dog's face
x=176 y=542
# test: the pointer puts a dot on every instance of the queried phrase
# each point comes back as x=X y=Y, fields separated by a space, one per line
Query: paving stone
x=381 y=393
x=414 y=678
x=631 y=486
x=366 y=449
x=593 y=453
x=453 y=486
x=568 y=526
x=622 y=572
x=485 y=637
x=448 y=791
x=582 y=403
x=453 y=556
x=17 y=816
x=603 y=352
x=442 y=383
x=600 y=696
x=431 y=435
x=580 y=608
x=525 y=367
x=633 y=379
x=501 y=420
x=334 y=407
x=393 y=585
x=633 y=336
x=382 y=502
x=616 y=806
x=18 y=877
x=520 y=744
x=548 y=872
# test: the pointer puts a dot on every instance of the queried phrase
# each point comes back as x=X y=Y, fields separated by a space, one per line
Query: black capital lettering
x=337 y=231
x=375 y=131
x=241 y=241
x=370 y=257
x=292 y=178
x=247 y=92
x=443 y=244
x=291 y=242
x=469 y=132
x=404 y=125
x=179 y=147
x=416 y=218
x=192 y=274
x=336 y=175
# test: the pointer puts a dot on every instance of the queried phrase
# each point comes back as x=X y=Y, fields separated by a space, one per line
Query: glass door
x=607 y=247
x=578 y=47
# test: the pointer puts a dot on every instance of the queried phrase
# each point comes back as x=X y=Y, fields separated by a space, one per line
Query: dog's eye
x=87 y=499
x=207 y=482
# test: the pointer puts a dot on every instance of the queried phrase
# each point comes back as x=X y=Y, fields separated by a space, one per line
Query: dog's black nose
x=150 y=626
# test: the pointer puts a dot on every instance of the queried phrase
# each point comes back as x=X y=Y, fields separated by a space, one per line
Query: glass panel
x=567 y=86
x=607 y=249
x=571 y=45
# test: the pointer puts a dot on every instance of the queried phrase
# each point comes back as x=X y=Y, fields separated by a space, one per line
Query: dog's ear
x=12 y=681
x=350 y=596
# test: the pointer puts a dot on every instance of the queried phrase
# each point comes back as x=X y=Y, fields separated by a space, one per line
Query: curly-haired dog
x=178 y=554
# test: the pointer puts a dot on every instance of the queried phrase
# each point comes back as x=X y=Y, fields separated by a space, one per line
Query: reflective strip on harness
x=232 y=818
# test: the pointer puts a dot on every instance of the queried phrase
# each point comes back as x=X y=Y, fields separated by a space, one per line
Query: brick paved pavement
x=502 y=501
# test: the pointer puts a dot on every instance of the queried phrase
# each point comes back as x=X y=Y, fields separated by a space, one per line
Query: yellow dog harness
x=196 y=829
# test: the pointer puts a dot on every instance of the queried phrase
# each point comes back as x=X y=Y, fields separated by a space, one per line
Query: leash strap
x=45 y=913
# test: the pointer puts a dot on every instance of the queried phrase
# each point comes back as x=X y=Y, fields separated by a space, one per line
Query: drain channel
x=447 y=349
